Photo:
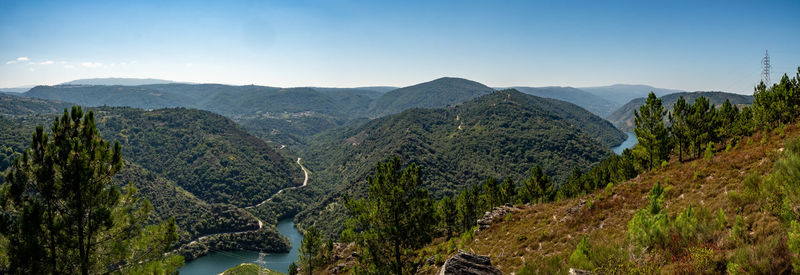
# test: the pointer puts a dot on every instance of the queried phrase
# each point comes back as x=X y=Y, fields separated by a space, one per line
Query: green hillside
x=195 y=166
x=622 y=118
x=500 y=134
x=18 y=105
x=438 y=93
x=622 y=93
x=596 y=104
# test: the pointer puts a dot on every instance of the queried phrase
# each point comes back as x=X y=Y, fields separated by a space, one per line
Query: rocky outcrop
x=465 y=263
x=575 y=271
x=493 y=216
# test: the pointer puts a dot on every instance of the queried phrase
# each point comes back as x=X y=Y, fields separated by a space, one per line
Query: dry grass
x=545 y=230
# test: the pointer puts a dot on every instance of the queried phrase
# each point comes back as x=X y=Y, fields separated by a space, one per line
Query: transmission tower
x=765 y=69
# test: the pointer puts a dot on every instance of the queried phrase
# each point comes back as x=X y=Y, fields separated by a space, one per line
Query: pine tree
x=446 y=210
x=701 y=126
x=679 y=127
x=62 y=215
x=310 y=249
x=650 y=130
x=537 y=188
x=394 y=218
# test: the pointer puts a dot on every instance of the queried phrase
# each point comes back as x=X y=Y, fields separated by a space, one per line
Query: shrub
x=709 y=154
x=794 y=243
x=721 y=221
x=580 y=258
x=649 y=227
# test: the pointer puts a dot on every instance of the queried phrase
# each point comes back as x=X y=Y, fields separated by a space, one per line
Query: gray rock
x=465 y=263
x=575 y=271
x=493 y=216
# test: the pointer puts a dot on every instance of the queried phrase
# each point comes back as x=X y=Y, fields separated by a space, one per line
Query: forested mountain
x=597 y=104
x=623 y=117
x=502 y=134
x=18 y=105
x=622 y=93
x=441 y=92
x=193 y=165
x=111 y=81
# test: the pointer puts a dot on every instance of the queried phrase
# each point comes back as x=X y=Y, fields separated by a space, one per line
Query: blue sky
x=691 y=45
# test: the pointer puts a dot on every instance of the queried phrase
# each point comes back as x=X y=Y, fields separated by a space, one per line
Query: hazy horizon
x=673 y=44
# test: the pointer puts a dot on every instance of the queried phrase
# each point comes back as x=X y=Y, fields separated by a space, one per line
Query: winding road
x=260 y=223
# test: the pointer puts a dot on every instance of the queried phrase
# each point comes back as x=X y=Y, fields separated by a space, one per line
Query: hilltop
x=441 y=92
x=502 y=134
x=622 y=118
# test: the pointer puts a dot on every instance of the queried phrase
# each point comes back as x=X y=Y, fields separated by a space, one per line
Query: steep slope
x=623 y=117
x=591 y=102
x=206 y=154
x=159 y=150
x=17 y=105
x=622 y=93
x=544 y=236
x=502 y=134
x=441 y=92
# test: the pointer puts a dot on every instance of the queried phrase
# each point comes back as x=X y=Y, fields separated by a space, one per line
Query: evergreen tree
x=446 y=210
x=466 y=208
x=508 y=191
x=62 y=215
x=293 y=269
x=725 y=120
x=393 y=220
x=491 y=194
x=701 y=124
x=679 y=127
x=650 y=130
x=537 y=188
x=310 y=249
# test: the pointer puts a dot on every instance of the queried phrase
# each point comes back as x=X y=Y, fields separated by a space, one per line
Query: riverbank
x=219 y=261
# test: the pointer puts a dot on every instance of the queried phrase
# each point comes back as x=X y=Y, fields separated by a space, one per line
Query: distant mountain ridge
x=596 y=104
x=112 y=81
x=622 y=93
x=623 y=117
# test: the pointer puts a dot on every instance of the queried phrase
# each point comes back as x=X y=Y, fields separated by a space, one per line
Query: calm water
x=218 y=262
x=628 y=143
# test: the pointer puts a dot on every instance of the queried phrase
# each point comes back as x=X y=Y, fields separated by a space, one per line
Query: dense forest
x=207 y=150
x=623 y=117
x=500 y=134
x=683 y=242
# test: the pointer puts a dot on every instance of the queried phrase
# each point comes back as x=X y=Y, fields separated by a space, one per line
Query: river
x=218 y=262
x=628 y=143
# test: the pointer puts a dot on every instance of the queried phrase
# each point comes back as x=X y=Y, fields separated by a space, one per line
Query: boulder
x=464 y=263
x=493 y=216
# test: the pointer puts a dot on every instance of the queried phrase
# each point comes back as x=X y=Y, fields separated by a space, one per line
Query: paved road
x=260 y=223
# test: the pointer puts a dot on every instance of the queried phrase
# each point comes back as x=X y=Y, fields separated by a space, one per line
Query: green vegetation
x=392 y=221
x=650 y=131
x=61 y=214
x=442 y=92
x=498 y=135
x=166 y=149
x=310 y=254
x=623 y=118
x=250 y=269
